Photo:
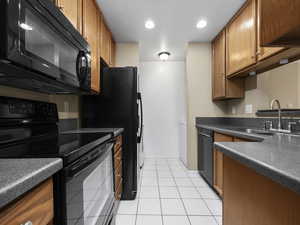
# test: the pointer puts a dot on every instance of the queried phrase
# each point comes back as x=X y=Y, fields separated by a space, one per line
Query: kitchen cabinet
x=218 y=162
x=219 y=159
x=241 y=39
x=35 y=207
x=223 y=88
x=72 y=9
x=91 y=32
x=118 y=168
x=113 y=52
x=105 y=42
x=263 y=52
x=280 y=23
x=250 y=198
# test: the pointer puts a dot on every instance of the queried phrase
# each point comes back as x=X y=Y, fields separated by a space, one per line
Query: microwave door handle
x=80 y=70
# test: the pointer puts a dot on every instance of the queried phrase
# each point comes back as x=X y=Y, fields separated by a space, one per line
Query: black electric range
x=31 y=140
x=83 y=189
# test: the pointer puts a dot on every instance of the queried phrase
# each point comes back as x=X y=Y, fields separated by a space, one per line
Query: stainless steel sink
x=260 y=132
x=255 y=131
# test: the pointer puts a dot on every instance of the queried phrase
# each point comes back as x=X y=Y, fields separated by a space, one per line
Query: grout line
x=214 y=216
x=180 y=196
x=138 y=195
x=157 y=179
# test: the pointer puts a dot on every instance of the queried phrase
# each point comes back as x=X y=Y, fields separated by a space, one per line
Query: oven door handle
x=71 y=171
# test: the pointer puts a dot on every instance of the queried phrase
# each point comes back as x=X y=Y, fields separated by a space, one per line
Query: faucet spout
x=279 y=112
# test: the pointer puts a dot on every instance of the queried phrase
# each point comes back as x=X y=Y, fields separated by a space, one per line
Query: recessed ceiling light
x=201 y=24
x=149 y=24
x=164 y=55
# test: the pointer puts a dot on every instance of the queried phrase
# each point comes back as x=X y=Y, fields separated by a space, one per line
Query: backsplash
x=282 y=83
x=68 y=105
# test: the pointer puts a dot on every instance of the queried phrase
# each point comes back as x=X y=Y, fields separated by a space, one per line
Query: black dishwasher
x=205 y=154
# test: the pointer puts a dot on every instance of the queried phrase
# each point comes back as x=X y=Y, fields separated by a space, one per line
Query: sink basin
x=261 y=132
x=255 y=131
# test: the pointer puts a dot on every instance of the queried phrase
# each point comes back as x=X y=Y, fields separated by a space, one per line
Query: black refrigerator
x=119 y=105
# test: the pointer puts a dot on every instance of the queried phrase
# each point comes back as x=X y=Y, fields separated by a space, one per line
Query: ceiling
x=175 y=23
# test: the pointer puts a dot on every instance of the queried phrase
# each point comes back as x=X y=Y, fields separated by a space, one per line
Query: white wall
x=163 y=91
x=127 y=54
x=199 y=83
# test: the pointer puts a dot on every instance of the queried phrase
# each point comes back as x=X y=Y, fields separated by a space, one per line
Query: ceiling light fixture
x=201 y=24
x=149 y=24
x=164 y=56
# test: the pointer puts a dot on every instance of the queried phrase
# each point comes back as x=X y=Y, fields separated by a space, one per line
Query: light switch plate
x=249 y=108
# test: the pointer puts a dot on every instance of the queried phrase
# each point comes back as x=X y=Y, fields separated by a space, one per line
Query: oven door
x=89 y=189
x=40 y=42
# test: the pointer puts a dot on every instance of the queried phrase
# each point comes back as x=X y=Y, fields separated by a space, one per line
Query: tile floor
x=171 y=195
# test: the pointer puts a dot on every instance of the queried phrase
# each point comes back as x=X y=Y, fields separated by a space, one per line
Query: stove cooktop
x=66 y=146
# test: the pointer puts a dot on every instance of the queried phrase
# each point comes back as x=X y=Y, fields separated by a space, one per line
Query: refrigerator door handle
x=142 y=118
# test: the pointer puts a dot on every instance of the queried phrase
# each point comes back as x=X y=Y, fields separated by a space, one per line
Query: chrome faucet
x=279 y=112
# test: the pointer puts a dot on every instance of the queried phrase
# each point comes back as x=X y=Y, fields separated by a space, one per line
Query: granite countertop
x=17 y=176
x=276 y=157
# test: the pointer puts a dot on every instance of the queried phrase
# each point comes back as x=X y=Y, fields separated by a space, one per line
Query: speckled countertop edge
x=233 y=150
x=18 y=176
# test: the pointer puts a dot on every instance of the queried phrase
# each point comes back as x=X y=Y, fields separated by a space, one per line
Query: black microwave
x=41 y=50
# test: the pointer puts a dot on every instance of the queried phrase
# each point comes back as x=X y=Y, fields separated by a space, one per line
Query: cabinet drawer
x=118 y=157
x=35 y=207
x=118 y=143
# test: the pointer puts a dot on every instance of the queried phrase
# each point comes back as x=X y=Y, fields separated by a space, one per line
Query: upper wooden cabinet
x=113 y=53
x=263 y=52
x=91 y=19
x=105 y=42
x=223 y=88
x=219 y=76
x=87 y=18
x=280 y=23
x=241 y=39
x=72 y=9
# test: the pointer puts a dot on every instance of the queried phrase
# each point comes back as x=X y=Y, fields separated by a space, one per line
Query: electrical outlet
x=248 y=108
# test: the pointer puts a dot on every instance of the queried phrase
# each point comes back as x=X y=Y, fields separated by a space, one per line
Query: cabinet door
x=91 y=34
x=105 y=42
x=113 y=52
x=262 y=52
x=241 y=39
x=219 y=77
x=72 y=9
x=280 y=23
x=223 y=88
x=218 y=162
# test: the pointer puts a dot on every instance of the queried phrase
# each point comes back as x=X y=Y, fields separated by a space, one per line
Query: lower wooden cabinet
x=36 y=207
x=118 y=168
x=253 y=199
x=218 y=162
x=218 y=158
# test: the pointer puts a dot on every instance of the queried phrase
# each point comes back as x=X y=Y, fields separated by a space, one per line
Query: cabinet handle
x=27 y=223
